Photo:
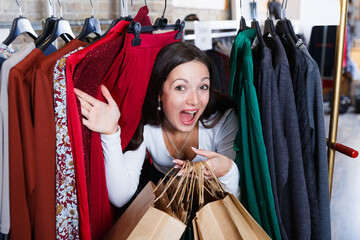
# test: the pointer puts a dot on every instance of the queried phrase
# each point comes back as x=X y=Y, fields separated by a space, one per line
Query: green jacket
x=255 y=183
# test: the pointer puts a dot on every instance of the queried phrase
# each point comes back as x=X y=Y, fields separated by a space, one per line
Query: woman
x=181 y=116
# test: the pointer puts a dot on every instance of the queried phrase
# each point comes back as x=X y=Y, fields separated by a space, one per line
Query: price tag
x=203 y=38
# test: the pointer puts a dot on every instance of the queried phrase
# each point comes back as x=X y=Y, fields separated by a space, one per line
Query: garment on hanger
x=38 y=117
x=221 y=68
x=66 y=190
x=4 y=135
x=269 y=106
x=314 y=100
x=84 y=71
x=22 y=163
x=101 y=218
x=297 y=65
x=293 y=187
x=6 y=51
x=44 y=120
x=255 y=183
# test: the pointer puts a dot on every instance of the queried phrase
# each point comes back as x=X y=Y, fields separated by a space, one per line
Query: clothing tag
x=202 y=35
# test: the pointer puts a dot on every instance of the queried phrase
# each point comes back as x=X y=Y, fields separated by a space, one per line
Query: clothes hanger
x=269 y=28
x=255 y=25
x=282 y=27
x=291 y=29
x=242 y=20
x=122 y=17
x=61 y=28
x=160 y=24
x=20 y=25
x=48 y=27
x=91 y=25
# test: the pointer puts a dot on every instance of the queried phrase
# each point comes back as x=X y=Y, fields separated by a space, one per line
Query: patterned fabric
x=6 y=51
x=67 y=217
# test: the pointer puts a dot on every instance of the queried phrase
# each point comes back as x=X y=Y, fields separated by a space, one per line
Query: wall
x=76 y=11
x=36 y=10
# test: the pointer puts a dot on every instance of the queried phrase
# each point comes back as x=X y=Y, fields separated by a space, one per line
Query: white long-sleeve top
x=123 y=169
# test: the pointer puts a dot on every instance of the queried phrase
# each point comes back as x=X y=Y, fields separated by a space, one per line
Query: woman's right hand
x=99 y=116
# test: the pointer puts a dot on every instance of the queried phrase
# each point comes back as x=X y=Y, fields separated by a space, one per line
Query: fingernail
x=174 y=161
x=176 y=166
x=193 y=147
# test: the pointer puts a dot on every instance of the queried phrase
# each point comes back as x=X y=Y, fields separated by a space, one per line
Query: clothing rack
x=37 y=25
x=227 y=28
x=339 y=50
x=203 y=32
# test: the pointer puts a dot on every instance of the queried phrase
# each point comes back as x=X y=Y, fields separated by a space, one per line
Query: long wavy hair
x=167 y=59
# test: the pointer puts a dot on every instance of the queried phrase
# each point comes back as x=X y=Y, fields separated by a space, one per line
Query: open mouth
x=188 y=116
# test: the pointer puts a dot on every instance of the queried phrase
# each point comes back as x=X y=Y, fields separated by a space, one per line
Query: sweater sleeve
x=122 y=170
x=225 y=139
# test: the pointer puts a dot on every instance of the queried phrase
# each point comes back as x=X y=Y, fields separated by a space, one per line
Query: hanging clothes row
x=220 y=56
x=55 y=186
x=281 y=143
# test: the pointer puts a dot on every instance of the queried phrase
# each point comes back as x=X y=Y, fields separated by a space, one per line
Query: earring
x=159 y=106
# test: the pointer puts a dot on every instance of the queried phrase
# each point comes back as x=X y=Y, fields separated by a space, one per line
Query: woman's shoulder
x=152 y=131
x=229 y=115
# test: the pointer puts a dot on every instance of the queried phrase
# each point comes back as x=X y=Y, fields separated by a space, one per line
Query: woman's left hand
x=99 y=116
x=219 y=164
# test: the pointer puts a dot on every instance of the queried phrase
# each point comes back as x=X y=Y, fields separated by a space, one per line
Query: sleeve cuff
x=111 y=137
x=230 y=175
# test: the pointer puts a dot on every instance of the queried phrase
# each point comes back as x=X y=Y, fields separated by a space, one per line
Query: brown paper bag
x=143 y=220
x=227 y=219
x=197 y=235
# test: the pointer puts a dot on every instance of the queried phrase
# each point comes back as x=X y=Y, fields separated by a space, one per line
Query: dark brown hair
x=167 y=59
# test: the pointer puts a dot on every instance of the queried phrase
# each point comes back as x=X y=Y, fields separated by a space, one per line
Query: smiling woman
x=183 y=118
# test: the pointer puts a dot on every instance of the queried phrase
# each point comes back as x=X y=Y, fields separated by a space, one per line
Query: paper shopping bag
x=147 y=219
x=227 y=219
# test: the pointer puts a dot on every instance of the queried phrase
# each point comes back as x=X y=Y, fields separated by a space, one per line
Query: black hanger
x=20 y=25
x=291 y=30
x=289 y=25
x=255 y=25
x=282 y=28
x=91 y=25
x=242 y=26
x=116 y=20
x=269 y=28
x=61 y=28
x=160 y=24
x=48 y=27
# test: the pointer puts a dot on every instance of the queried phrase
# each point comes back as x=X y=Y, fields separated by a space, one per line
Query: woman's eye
x=204 y=87
x=180 y=88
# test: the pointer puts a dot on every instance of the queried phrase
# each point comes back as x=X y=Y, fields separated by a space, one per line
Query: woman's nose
x=193 y=98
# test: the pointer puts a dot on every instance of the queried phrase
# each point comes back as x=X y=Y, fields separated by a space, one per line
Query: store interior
x=214 y=25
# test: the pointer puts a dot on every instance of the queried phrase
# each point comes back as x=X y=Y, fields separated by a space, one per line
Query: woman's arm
x=225 y=146
x=122 y=169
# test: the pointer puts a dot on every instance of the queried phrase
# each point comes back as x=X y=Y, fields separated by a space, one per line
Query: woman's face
x=185 y=95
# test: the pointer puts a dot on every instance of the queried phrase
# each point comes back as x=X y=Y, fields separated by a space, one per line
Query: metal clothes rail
x=332 y=144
